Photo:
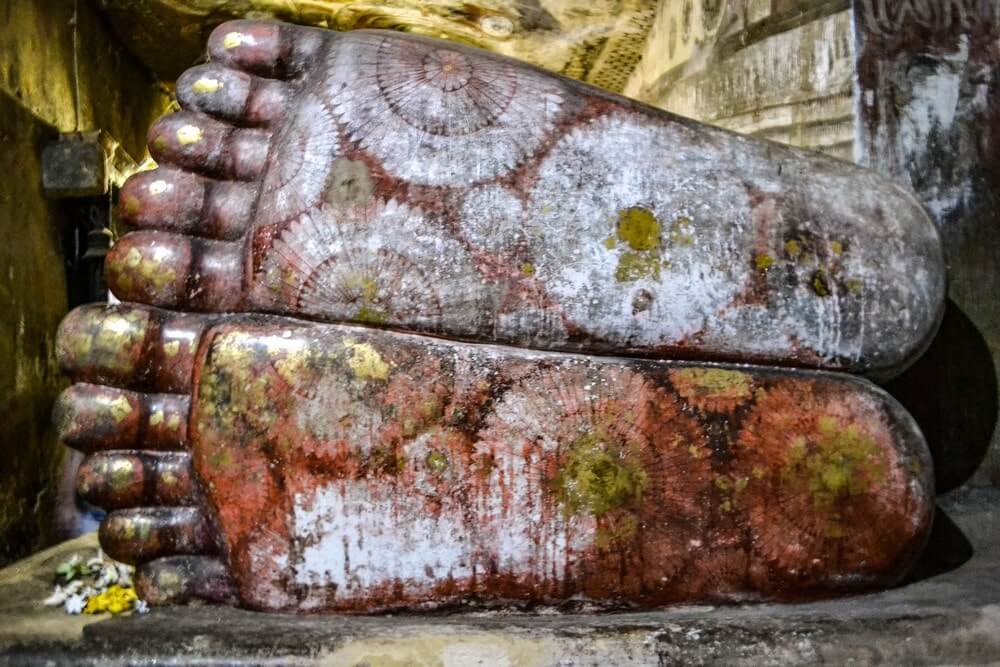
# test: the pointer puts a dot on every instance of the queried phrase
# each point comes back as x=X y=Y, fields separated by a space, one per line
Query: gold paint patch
x=119 y=408
x=235 y=39
x=133 y=258
x=189 y=134
x=121 y=474
x=205 y=85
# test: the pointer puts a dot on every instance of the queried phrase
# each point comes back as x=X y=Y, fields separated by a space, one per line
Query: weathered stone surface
x=32 y=300
x=74 y=166
x=421 y=186
x=597 y=41
x=346 y=468
x=777 y=70
x=928 y=81
x=48 y=70
x=84 y=164
x=37 y=103
x=950 y=617
x=24 y=584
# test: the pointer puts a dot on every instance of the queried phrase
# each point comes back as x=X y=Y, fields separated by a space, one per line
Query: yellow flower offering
x=115 y=600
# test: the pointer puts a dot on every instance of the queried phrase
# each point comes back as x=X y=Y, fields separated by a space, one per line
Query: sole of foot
x=391 y=180
x=289 y=465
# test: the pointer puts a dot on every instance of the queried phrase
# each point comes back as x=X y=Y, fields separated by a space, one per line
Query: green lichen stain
x=641 y=232
x=426 y=415
x=436 y=462
x=730 y=488
x=369 y=315
x=635 y=265
x=716 y=382
x=842 y=462
x=527 y=269
x=220 y=458
x=820 y=283
x=618 y=532
x=639 y=228
x=599 y=476
x=681 y=233
x=367 y=290
x=385 y=460
x=432 y=410
x=763 y=261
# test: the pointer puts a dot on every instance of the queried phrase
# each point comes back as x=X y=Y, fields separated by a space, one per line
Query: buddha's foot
x=382 y=178
x=329 y=467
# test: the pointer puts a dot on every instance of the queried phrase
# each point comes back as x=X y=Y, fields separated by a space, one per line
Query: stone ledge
x=952 y=616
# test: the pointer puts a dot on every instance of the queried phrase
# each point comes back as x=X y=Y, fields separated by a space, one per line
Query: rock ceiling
x=598 y=41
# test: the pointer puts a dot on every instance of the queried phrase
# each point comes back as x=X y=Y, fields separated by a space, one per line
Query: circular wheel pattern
x=624 y=236
x=304 y=150
x=443 y=94
x=827 y=492
x=376 y=287
x=611 y=461
x=378 y=265
x=439 y=116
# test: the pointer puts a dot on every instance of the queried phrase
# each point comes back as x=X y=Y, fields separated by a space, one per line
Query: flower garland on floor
x=95 y=586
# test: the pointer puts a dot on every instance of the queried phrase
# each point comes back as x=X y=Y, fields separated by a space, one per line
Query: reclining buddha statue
x=405 y=324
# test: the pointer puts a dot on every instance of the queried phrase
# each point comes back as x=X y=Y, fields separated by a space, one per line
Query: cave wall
x=769 y=68
x=928 y=115
x=37 y=102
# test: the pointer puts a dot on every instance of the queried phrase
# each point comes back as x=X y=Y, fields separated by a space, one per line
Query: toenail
x=189 y=134
x=235 y=39
x=115 y=408
x=205 y=85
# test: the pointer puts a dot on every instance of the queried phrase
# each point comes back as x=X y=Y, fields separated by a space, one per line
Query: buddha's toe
x=92 y=418
x=141 y=534
x=274 y=50
x=232 y=95
x=198 y=142
x=127 y=346
x=122 y=479
x=176 y=271
x=182 y=579
x=174 y=200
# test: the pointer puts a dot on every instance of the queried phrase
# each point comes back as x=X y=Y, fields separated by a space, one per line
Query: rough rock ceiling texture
x=598 y=41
